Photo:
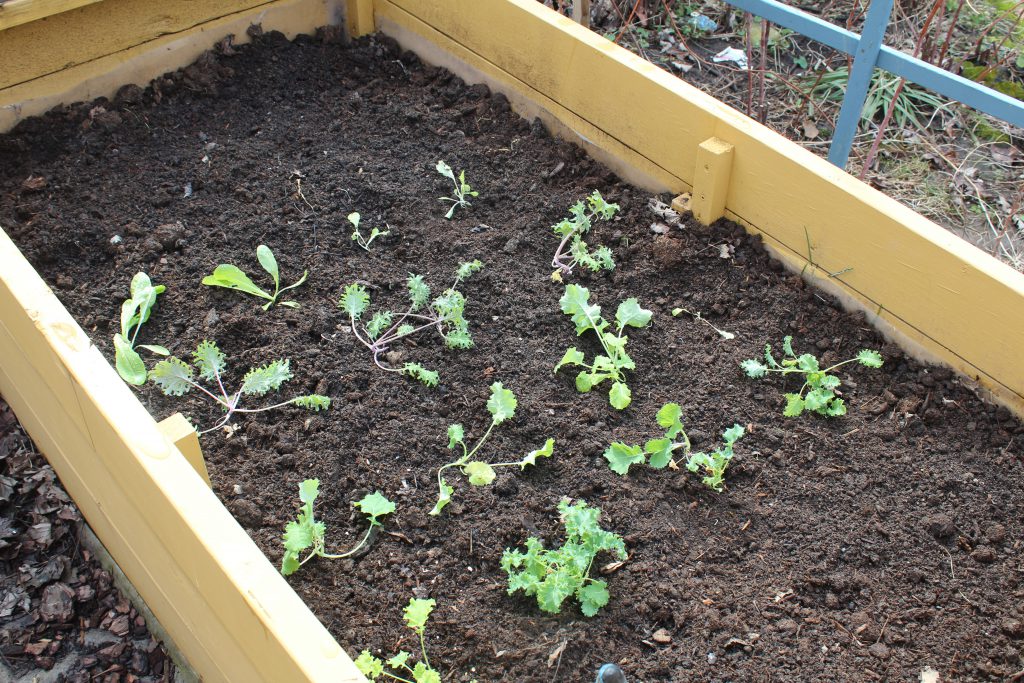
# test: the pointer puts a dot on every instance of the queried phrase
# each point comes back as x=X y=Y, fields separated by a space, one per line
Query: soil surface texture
x=868 y=547
x=61 y=617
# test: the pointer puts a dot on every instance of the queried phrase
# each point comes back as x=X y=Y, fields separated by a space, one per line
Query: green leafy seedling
x=135 y=311
x=307 y=533
x=557 y=574
x=819 y=391
x=615 y=361
x=572 y=250
x=502 y=406
x=659 y=453
x=445 y=314
x=416 y=615
x=357 y=236
x=461 y=189
x=175 y=377
x=232 y=277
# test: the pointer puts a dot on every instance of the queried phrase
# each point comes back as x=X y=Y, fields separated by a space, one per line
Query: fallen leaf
x=556 y=654
x=810 y=130
x=33 y=183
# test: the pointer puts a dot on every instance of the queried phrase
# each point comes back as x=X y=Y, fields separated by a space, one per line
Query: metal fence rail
x=868 y=53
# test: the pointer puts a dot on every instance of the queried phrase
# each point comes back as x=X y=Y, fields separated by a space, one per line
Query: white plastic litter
x=731 y=54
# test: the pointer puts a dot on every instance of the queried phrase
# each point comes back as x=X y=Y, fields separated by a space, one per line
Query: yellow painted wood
x=228 y=609
x=17 y=12
x=183 y=435
x=102 y=75
x=359 y=17
x=946 y=299
x=711 y=178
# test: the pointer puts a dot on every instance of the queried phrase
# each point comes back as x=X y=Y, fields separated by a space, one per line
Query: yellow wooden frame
x=221 y=600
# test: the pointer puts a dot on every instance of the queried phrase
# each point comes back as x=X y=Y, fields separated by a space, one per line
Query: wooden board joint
x=359 y=17
x=711 y=179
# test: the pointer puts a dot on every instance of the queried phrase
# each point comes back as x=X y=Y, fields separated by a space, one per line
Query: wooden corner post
x=711 y=180
x=182 y=434
x=359 y=17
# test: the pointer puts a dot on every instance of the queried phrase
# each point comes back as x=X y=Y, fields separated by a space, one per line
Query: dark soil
x=61 y=617
x=863 y=548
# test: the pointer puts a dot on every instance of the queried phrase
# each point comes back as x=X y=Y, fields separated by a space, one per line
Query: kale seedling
x=573 y=250
x=554 y=575
x=461 y=187
x=819 y=385
x=306 y=532
x=502 y=406
x=232 y=277
x=134 y=313
x=357 y=236
x=621 y=456
x=175 y=377
x=444 y=314
x=416 y=615
x=615 y=361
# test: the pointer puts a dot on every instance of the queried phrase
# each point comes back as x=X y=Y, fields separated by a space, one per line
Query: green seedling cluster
x=659 y=453
x=175 y=377
x=135 y=311
x=461 y=189
x=358 y=237
x=233 y=277
x=502 y=406
x=615 y=361
x=445 y=315
x=416 y=615
x=554 y=575
x=572 y=250
x=818 y=393
x=307 y=533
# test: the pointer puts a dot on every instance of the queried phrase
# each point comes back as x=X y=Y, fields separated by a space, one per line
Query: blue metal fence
x=868 y=53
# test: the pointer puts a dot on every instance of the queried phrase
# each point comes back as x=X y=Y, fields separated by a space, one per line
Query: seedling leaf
x=479 y=473
x=543 y=452
x=620 y=396
x=593 y=597
x=354 y=300
x=417 y=613
x=258 y=381
x=869 y=358
x=173 y=376
x=630 y=313
x=621 y=456
x=375 y=505
x=501 y=404
x=128 y=362
x=269 y=263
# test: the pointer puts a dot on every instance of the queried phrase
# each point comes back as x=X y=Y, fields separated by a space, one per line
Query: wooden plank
x=103 y=75
x=17 y=12
x=180 y=432
x=228 y=609
x=947 y=300
x=359 y=17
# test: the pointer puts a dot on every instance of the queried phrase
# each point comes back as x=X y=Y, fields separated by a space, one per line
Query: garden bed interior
x=870 y=546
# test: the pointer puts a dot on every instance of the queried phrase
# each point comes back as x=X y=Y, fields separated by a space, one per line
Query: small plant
x=554 y=575
x=232 y=277
x=175 y=377
x=416 y=615
x=615 y=361
x=306 y=532
x=818 y=393
x=659 y=452
x=913 y=104
x=134 y=313
x=444 y=314
x=357 y=236
x=502 y=406
x=461 y=187
x=573 y=250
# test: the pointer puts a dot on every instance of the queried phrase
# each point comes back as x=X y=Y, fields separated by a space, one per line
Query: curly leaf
x=619 y=396
x=479 y=473
x=380 y=321
x=794 y=405
x=173 y=376
x=575 y=302
x=621 y=456
x=543 y=452
x=419 y=292
x=417 y=612
x=872 y=359
x=501 y=404
x=369 y=666
x=354 y=300
x=593 y=597
x=733 y=434
x=289 y=563
x=258 y=381
x=630 y=313
x=468 y=268
x=660 y=452
x=421 y=374
x=314 y=402
x=209 y=359
x=375 y=505
x=455 y=435
x=669 y=419
x=753 y=368
x=297 y=536
x=309 y=489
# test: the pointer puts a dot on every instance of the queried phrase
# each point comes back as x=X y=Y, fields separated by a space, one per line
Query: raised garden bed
x=880 y=543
